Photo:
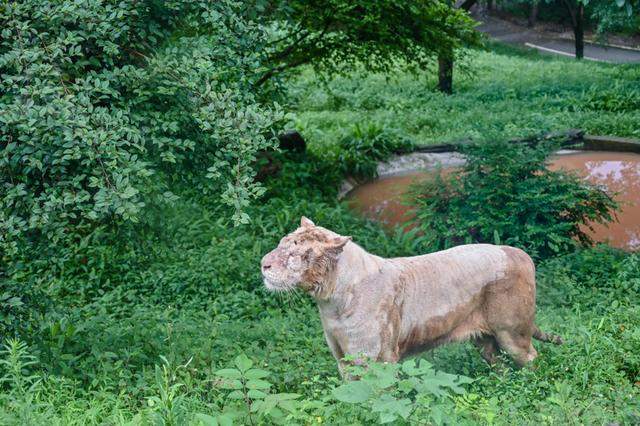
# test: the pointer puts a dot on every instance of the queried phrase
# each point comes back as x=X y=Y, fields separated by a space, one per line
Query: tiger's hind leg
x=519 y=347
x=488 y=348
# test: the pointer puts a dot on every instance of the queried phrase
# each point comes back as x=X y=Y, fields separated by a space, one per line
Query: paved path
x=510 y=33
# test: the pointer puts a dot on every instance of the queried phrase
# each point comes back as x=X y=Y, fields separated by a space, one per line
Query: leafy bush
x=360 y=151
x=23 y=304
x=245 y=394
x=106 y=103
x=250 y=401
x=183 y=299
x=108 y=109
x=408 y=391
x=102 y=120
x=506 y=195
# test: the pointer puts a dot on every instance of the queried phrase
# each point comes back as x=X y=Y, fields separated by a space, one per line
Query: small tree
x=506 y=195
x=338 y=35
x=446 y=57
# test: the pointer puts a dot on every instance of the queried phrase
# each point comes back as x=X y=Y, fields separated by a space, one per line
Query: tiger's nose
x=266 y=263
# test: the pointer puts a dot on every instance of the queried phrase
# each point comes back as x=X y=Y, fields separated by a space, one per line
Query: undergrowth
x=146 y=346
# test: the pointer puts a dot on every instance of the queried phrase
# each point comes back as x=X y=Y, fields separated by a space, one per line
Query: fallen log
x=611 y=143
x=565 y=138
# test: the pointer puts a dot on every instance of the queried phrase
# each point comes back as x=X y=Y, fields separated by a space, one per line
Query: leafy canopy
x=339 y=35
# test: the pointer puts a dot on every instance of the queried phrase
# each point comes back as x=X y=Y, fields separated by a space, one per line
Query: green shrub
x=506 y=195
x=243 y=393
x=105 y=104
x=23 y=304
x=410 y=391
x=189 y=303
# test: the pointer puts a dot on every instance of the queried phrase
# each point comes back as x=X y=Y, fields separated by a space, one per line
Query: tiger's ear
x=306 y=222
x=337 y=244
x=331 y=249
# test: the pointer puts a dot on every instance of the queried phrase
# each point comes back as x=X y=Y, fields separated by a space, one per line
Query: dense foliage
x=102 y=114
x=112 y=110
x=107 y=105
x=614 y=16
x=194 y=296
x=506 y=195
x=336 y=35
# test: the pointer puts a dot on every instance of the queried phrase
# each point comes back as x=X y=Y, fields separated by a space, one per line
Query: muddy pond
x=384 y=199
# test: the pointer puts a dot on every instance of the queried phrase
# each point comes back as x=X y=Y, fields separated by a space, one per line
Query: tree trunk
x=578 y=31
x=445 y=60
x=445 y=73
x=533 y=14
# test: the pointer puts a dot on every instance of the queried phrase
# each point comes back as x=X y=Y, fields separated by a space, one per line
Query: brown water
x=385 y=199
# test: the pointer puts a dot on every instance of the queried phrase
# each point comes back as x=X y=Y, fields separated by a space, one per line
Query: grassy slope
x=505 y=92
x=191 y=289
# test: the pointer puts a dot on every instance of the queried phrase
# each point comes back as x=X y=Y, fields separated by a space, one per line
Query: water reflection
x=620 y=174
x=382 y=199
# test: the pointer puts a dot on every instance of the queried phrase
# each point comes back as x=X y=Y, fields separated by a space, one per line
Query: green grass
x=192 y=304
x=186 y=294
x=505 y=91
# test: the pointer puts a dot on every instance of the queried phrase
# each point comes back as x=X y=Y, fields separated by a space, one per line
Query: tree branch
x=283 y=55
x=273 y=71
x=466 y=5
